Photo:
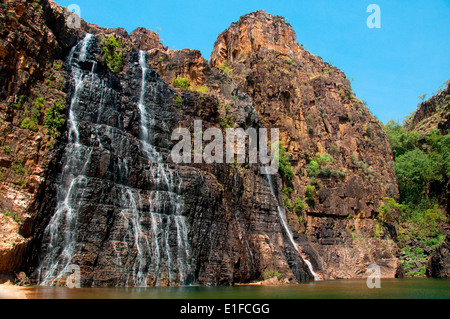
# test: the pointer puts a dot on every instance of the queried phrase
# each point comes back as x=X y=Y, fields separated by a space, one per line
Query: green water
x=411 y=288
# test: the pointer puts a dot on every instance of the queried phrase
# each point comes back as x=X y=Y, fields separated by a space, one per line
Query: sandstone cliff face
x=313 y=105
x=433 y=114
x=109 y=200
x=31 y=82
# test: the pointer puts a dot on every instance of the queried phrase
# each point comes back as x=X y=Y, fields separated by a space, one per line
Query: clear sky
x=391 y=66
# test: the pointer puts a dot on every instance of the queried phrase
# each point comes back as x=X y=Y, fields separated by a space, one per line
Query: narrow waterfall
x=166 y=204
x=285 y=225
x=63 y=224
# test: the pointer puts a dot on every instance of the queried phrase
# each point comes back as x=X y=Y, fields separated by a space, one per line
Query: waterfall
x=285 y=225
x=62 y=226
x=166 y=204
x=149 y=234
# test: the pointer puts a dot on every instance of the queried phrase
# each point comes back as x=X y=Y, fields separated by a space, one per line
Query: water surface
x=410 y=288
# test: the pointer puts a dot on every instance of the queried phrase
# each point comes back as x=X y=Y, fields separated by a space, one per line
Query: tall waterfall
x=63 y=224
x=166 y=203
x=284 y=223
x=148 y=239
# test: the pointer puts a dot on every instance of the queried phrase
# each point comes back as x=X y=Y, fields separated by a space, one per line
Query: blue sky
x=391 y=66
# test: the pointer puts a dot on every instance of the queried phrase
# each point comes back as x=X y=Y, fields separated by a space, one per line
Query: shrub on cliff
x=181 y=83
x=113 y=53
x=54 y=119
x=285 y=167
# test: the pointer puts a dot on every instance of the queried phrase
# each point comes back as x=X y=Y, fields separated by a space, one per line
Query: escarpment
x=341 y=159
x=92 y=115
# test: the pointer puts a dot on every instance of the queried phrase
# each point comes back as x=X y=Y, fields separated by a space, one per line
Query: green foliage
x=420 y=160
x=113 y=53
x=226 y=122
x=7 y=149
x=268 y=274
x=285 y=167
x=18 y=168
x=178 y=101
x=54 y=119
x=422 y=166
x=29 y=124
x=201 y=89
x=318 y=166
x=181 y=83
x=389 y=210
x=225 y=68
x=313 y=168
x=300 y=206
x=310 y=194
x=57 y=66
x=287 y=203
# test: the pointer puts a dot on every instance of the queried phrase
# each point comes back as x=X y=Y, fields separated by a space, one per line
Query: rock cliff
x=313 y=104
x=87 y=118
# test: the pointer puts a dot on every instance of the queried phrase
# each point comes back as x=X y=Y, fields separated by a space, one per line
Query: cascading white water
x=285 y=225
x=166 y=205
x=147 y=240
x=61 y=228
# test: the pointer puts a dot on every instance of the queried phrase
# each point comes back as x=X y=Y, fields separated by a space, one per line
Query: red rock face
x=313 y=105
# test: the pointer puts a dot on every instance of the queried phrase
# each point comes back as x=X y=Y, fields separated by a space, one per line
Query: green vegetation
x=181 y=83
x=300 y=206
x=113 y=53
x=54 y=119
x=13 y=216
x=226 y=122
x=422 y=166
x=318 y=167
x=285 y=167
x=32 y=115
x=310 y=194
x=422 y=161
x=178 y=101
x=7 y=150
x=225 y=68
x=18 y=168
x=362 y=165
x=268 y=274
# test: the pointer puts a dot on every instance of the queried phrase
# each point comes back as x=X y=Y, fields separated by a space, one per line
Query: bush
x=29 y=124
x=285 y=167
x=225 y=68
x=18 y=168
x=300 y=206
x=54 y=119
x=268 y=274
x=113 y=53
x=181 y=83
x=389 y=210
x=310 y=194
